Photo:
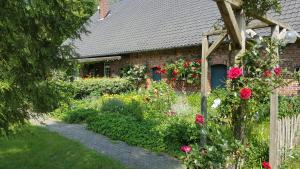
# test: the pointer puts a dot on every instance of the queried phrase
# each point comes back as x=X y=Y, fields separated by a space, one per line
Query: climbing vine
x=261 y=7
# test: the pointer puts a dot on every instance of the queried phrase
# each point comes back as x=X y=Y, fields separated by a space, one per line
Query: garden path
x=130 y=156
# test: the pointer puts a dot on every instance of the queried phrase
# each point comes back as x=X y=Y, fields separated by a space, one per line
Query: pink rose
x=245 y=93
x=199 y=119
x=278 y=71
x=186 y=149
x=234 y=73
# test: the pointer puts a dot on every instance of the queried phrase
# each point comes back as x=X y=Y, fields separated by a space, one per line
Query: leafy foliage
x=160 y=96
x=261 y=7
x=186 y=70
x=135 y=73
x=101 y=86
x=289 y=106
x=31 y=35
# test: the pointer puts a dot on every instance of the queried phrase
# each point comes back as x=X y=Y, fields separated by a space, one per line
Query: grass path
x=37 y=148
x=132 y=157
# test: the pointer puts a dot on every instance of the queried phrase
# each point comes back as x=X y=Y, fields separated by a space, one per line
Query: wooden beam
x=215 y=32
x=251 y=26
x=234 y=3
x=271 y=21
x=216 y=44
x=274 y=152
x=258 y=25
x=204 y=84
x=230 y=21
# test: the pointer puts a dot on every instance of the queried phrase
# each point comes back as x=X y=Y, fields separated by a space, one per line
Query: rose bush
x=182 y=70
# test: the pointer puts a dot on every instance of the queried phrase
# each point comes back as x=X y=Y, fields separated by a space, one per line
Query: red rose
x=267 y=73
x=186 y=149
x=234 y=73
x=198 y=61
x=266 y=165
x=175 y=72
x=194 y=75
x=278 y=71
x=186 y=64
x=163 y=71
x=174 y=79
x=245 y=93
x=199 y=119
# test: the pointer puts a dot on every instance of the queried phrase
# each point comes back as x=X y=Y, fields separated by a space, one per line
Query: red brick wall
x=290 y=59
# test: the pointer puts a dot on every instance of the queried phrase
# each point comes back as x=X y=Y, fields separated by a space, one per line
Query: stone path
x=132 y=157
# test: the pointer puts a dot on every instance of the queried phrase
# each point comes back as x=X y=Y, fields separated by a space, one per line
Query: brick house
x=153 y=32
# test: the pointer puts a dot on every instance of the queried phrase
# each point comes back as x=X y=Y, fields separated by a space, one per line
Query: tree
x=31 y=34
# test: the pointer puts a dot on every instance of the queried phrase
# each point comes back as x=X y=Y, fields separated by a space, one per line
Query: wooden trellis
x=235 y=23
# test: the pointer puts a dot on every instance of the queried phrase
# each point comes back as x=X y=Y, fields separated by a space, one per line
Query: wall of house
x=290 y=59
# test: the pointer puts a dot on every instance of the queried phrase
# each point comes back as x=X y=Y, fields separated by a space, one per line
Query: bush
x=159 y=97
x=79 y=115
x=194 y=99
x=126 y=104
x=289 y=106
x=128 y=129
x=101 y=86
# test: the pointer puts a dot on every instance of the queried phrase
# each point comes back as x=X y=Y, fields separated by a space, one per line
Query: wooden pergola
x=235 y=23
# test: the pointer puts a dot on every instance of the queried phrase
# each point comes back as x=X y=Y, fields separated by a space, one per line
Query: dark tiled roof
x=144 y=25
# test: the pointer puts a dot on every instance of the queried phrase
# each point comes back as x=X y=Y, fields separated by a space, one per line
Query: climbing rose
x=267 y=73
x=245 y=93
x=175 y=72
x=199 y=61
x=278 y=71
x=235 y=73
x=163 y=71
x=266 y=165
x=174 y=79
x=186 y=149
x=186 y=64
x=199 y=119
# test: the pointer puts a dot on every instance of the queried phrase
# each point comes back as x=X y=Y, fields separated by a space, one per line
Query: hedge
x=101 y=86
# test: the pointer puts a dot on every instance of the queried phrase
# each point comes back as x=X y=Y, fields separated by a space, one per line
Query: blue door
x=155 y=75
x=218 y=76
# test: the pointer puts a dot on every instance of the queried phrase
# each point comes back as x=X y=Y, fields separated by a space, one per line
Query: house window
x=107 y=69
x=156 y=76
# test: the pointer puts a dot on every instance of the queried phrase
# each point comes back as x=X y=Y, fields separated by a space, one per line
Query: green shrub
x=128 y=129
x=160 y=96
x=127 y=104
x=79 y=115
x=101 y=86
x=289 y=106
x=113 y=105
x=135 y=73
x=194 y=99
x=178 y=131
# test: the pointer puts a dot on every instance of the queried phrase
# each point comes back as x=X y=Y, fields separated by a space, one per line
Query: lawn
x=37 y=148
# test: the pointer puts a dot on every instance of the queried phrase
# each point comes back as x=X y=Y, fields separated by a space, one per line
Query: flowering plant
x=186 y=70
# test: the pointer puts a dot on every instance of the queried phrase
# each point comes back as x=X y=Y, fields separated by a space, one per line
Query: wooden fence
x=286 y=137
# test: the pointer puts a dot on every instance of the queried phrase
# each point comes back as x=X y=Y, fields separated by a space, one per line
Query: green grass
x=293 y=160
x=37 y=148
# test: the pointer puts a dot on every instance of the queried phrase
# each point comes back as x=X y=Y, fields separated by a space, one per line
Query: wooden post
x=204 y=84
x=274 y=151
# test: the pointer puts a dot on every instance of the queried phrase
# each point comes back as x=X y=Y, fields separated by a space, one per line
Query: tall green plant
x=31 y=35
